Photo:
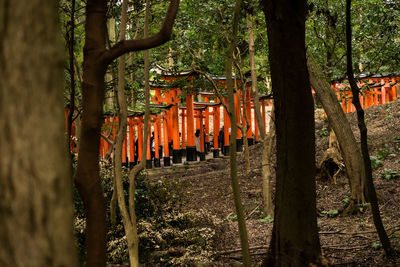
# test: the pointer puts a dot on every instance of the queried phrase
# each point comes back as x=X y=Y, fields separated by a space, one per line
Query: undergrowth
x=167 y=236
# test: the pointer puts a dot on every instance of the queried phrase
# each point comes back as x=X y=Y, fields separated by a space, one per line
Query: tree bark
x=266 y=140
x=295 y=236
x=371 y=193
x=35 y=184
x=96 y=60
x=71 y=42
x=341 y=126
x=232 y=150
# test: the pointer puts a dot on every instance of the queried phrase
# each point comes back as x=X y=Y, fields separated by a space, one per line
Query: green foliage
x=322 y=132
x=330 y=213
x=167 y=236
x=376 y=245
x=389 y=174
x=179 y=239
x=232 y=218
x=375 y=162
x=346 y=200
x=385 y=152
x=267 y=219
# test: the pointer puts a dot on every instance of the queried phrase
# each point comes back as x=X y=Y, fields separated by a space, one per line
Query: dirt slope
x=346 y=241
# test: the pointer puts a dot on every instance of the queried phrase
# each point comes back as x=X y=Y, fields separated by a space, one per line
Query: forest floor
x=345 y=240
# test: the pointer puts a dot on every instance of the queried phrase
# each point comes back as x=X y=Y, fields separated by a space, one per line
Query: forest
x=199 y=133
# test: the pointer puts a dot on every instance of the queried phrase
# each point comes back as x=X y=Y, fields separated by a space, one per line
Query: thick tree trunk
x=295 y=236
x=35 y=185
x=266 y=141
x=87 y=177
x=371 y=193
x=96 y=60
x=341 y=126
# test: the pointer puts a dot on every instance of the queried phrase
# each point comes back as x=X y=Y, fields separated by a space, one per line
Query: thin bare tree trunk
x=371 y=193
x=232 y=150
x=36 y=208
x=266 y=140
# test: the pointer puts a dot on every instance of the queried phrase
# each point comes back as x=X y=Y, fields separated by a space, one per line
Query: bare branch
x=158 y=39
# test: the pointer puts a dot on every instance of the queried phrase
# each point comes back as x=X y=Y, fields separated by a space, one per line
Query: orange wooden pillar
x=191 y=146
x=157 y=162
x=182 y=133
x=202 y=147
x=239 y=140
x=176 y=152
x=149 y=164
x=249 y=133
x=207 y=126
x=167 y=160
x=216 y=126
x=160 y=147
x=227 y=129
x=132 y=141
x=125 y=151
x=140 y=138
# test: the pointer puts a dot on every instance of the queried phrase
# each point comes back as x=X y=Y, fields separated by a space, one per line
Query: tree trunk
x=70 y=42
x=232 y=150
x=95 y=62
x=295 y=236
x=87 y=177
x=35 y=186
x=371 y=193
x=266 y=167
x=341 y=126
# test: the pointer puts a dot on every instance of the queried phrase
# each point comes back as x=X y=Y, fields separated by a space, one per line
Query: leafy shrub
x=179 y=238
x=330 y=213
x=322 y=132
x=375 y=162
x=389 y=174
x=166 y=236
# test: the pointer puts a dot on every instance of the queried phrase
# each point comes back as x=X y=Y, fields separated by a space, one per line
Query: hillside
x=346 y=241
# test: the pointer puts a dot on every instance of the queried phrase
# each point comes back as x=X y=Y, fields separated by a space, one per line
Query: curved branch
x=163 y=36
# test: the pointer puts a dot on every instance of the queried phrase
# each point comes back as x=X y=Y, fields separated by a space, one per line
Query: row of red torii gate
x=176 y=116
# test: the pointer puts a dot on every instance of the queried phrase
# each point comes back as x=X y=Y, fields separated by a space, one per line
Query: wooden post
x=239 y=140
x=248 y=96
x=227 y=128
x=132 y=139
x=207 y=125
x=157 y=163
x=191 y=146
x=140 y=138
x=216 y=126
x=183 y=132
x=149 y=164
x=167 y=161
x=202 y=152
x=176 y=152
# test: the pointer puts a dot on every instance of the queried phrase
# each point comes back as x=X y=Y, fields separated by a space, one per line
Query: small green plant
x=330 y=213
x=375 y=162
x=267 y=219
x=232 y=218
x=389 y=174
x=346 y=200
x=376 y=245
x=322 y=132
x=362 y=206
x=387 y=151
